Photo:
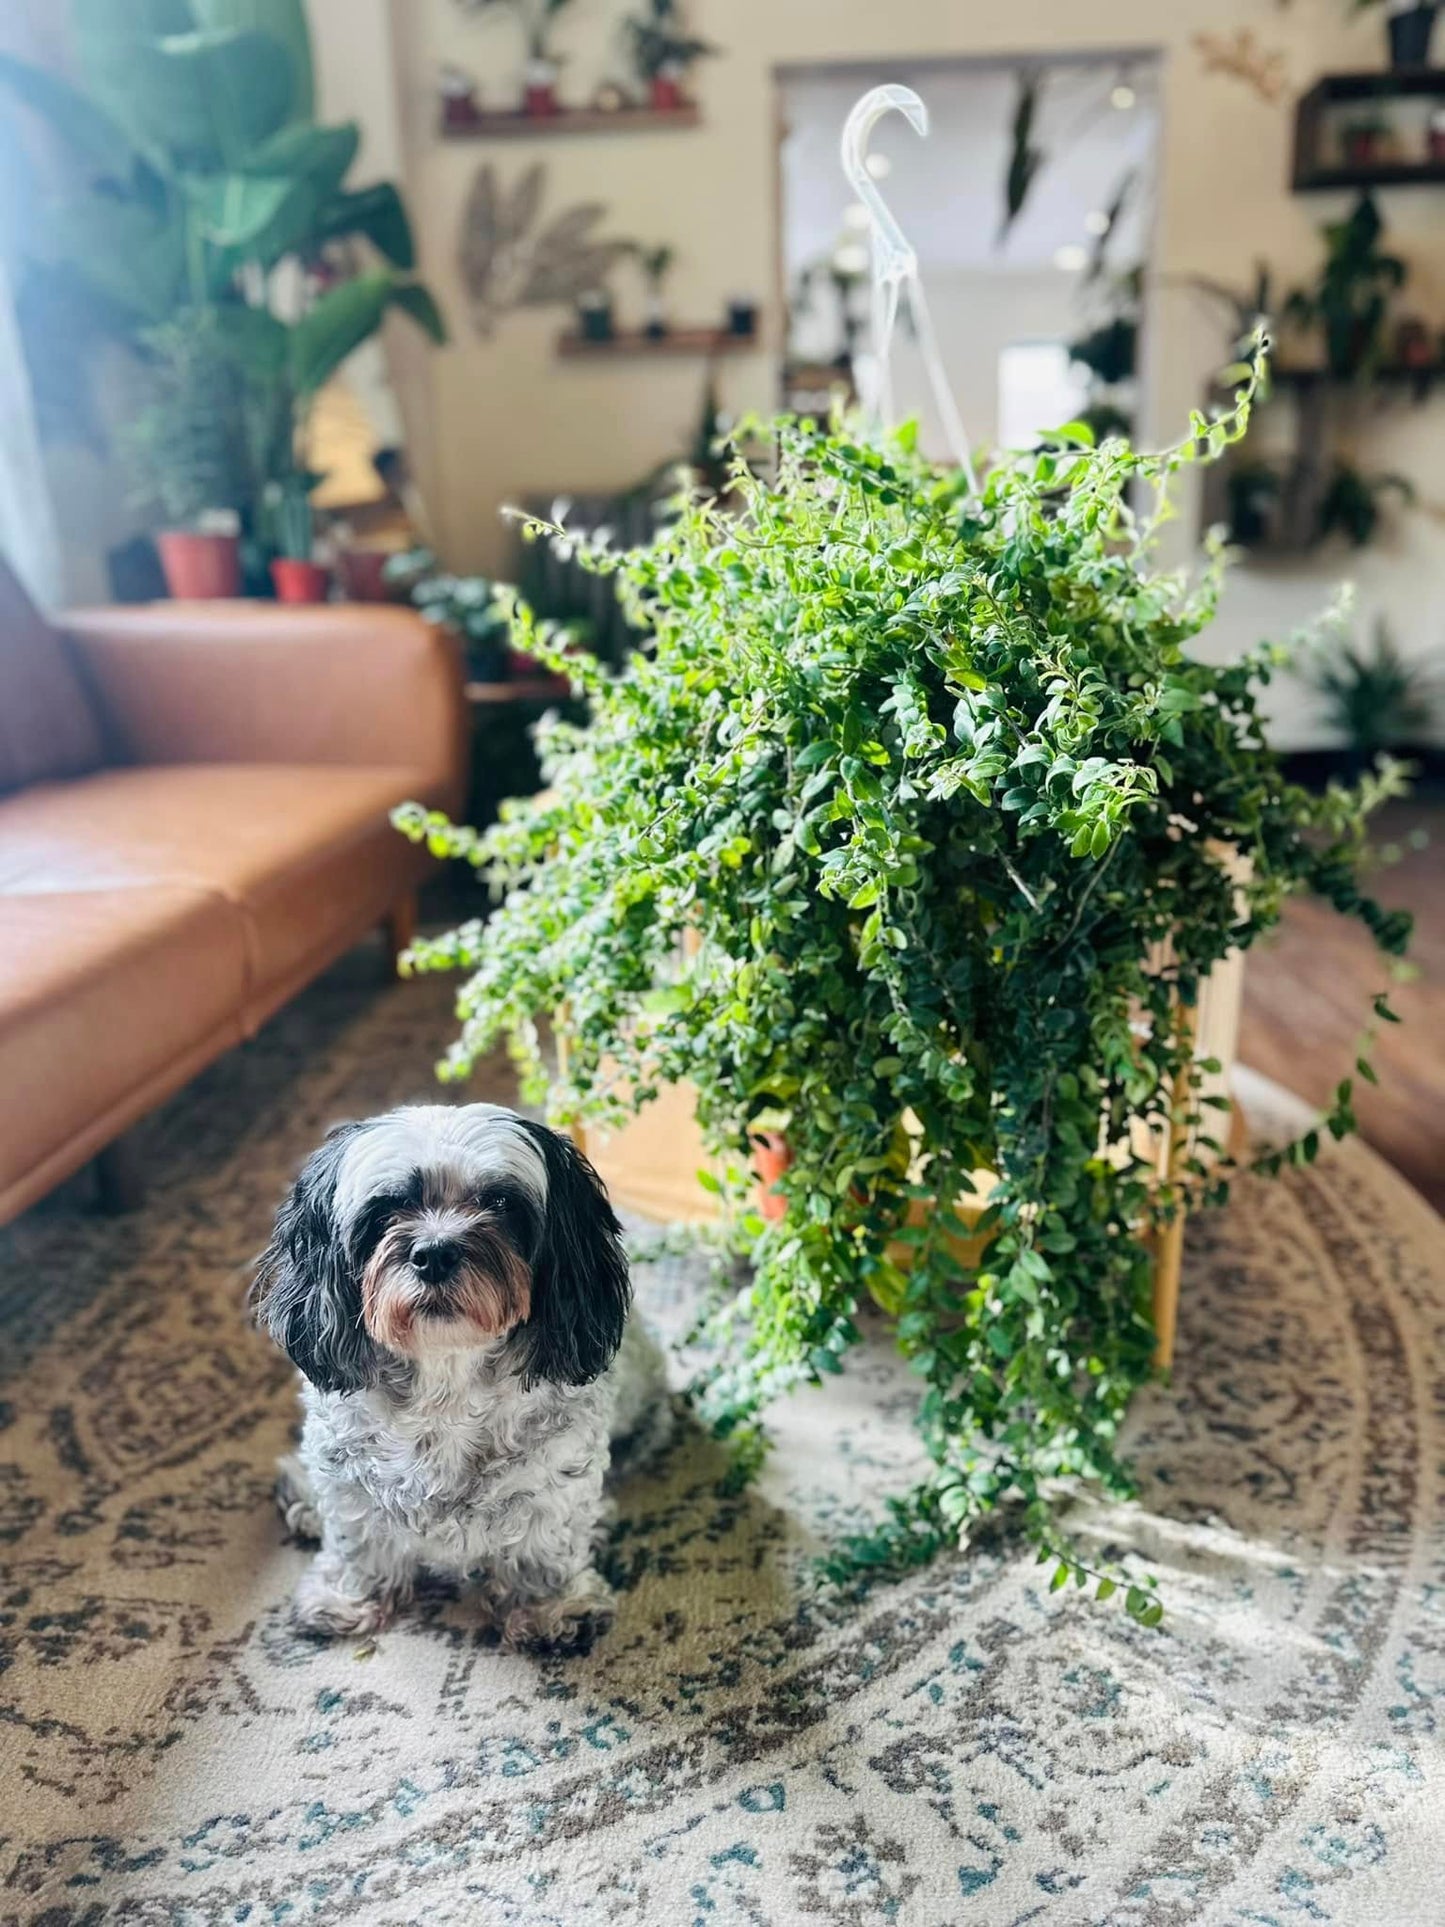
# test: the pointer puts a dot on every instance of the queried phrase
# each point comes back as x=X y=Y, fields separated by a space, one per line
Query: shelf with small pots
x=473 y=124
x=1372 y=129
x=575 y=345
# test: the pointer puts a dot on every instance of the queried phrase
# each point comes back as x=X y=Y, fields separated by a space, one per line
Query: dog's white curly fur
x=455 y=1470
x=452 y=1460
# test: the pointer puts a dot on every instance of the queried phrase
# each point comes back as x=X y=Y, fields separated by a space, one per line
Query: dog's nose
x=434 y=1260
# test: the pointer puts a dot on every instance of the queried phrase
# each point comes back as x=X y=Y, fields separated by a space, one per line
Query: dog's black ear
x=307 y=1293
x=580 y=1286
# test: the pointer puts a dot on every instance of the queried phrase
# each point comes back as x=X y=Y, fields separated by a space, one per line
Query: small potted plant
x=298 y=576
x=1365 y=141
x=187 y=455
x=663 y=52
x=742 y=317
x=539 y=74
x=1435 y=136
x=458 y=90
x=1349 y=303
x=656 y=264
x=1411 y=27
x=595 y=319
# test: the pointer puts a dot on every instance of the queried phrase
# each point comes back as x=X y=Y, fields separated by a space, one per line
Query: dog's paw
x=561 y=1628
x=294 y=1501
x=324 y=1609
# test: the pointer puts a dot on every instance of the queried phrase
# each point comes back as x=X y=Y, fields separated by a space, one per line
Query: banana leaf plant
x=198 y=168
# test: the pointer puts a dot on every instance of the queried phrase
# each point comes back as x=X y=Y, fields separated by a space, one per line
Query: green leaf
x=95 y=137
x=379 y=214
x=283 y=21
x=346 y=316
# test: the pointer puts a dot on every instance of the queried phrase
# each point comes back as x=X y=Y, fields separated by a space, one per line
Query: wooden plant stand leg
x=399 y=928
x=1169 y=1247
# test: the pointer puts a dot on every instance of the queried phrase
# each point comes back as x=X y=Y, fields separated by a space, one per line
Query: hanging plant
x=1024 y=159
x=925 y=778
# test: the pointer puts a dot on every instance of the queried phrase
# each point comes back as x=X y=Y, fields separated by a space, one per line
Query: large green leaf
x=348 y=315
x=283 y=20
x=132 y=260
x=95 y=137
x=377 y=212
x=272 y=207
x=417 y=301
x=194 y=101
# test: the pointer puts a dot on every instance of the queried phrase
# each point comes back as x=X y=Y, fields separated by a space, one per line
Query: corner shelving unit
x=1315 y=170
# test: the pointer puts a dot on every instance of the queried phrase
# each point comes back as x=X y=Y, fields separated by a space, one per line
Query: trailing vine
x=910 y=834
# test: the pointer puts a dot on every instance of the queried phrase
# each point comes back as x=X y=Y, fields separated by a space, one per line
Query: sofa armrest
x=239 y=682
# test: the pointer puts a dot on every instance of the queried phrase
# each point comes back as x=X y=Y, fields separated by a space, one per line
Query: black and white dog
x=452 y=1285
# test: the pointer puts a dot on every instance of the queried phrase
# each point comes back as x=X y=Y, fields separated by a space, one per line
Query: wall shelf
x=571 y=120
x=1316 y=168
x=677 y=341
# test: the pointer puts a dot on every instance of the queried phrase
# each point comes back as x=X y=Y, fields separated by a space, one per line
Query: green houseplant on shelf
x=935 y=792
x=664 y=52
x=1373 y=696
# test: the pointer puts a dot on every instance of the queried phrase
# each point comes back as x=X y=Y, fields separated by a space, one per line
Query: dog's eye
x=495 y=1202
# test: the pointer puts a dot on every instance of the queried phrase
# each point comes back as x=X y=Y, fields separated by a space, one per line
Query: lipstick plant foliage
x=904 y=835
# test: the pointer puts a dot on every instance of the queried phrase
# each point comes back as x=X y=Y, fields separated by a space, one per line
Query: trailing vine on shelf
x=909 y=834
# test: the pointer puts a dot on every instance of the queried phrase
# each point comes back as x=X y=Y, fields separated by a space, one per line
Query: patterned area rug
x=964 y=1747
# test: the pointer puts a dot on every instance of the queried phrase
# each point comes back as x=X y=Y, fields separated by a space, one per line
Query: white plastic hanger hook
x=895 y=267
x=893 y=257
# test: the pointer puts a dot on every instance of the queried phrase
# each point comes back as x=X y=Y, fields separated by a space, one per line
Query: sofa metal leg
x=400 y=928
x=119 y=1180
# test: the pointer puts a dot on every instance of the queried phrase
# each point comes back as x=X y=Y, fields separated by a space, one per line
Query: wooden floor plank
x=1307 y=994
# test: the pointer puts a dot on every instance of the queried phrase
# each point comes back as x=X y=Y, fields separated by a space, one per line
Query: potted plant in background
x=295 y=571
x=1351 y=502
x=877 y=844
x=542 y=67
x=1349 y=304
x=656 y=264
x=187 y=455
x=595 y=318
x=1411 y=27
x=1365 y=141
x=663 y=53
x=1376 y=700
x=198 y=170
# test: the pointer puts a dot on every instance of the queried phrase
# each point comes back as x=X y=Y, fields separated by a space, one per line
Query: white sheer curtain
x=29 y=535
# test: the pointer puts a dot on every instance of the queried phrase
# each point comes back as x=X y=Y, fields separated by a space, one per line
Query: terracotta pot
x=200 y=568
x=363 y=575
x=771 y=1157
x=667 y=94
x=299 y=581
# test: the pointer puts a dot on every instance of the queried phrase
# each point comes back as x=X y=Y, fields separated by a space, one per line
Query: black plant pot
x=1410 y=35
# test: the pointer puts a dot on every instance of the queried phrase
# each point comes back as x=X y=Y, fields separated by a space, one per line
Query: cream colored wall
x=509 y=418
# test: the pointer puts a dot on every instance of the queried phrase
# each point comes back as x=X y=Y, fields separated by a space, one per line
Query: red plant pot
x=771 y=1157
x=363 y=575
x=1362 y=150
x=540 y=98
x=200 y=568
x=299 y=581
x=667 y=95
x=1437 y=144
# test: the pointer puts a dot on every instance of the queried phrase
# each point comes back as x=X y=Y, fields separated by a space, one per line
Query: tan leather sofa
x=193 y=824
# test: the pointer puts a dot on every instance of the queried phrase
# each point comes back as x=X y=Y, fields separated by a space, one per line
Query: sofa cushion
x=47 y=725
x=103 y=990
x=306 y=855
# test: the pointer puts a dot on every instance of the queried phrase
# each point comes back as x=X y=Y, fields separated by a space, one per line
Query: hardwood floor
x=1307 y=996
